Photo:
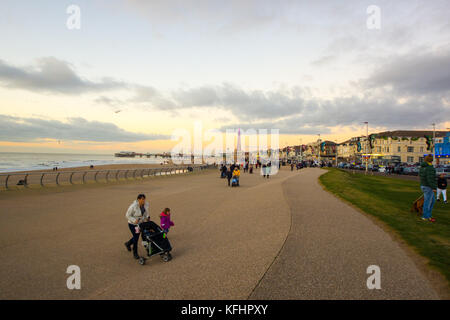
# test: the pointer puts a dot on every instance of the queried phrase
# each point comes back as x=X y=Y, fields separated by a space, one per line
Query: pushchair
x=155 y=242
x=235 y=181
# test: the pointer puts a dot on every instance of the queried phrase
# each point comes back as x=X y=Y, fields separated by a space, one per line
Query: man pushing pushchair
x=235 y=178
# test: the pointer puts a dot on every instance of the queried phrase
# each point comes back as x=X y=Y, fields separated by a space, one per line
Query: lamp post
x=336 y=152
x=301 y=150
x=367 y=146
x=434 y=141
x=319 y=149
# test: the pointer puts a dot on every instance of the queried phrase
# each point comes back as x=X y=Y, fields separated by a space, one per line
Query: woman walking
x=136 y=214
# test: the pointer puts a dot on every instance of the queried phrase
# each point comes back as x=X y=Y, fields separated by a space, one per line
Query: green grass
x=390 y=200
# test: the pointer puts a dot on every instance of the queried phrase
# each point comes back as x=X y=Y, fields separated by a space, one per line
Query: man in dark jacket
x=229 y=175
x=428 y=184
x=442 y=188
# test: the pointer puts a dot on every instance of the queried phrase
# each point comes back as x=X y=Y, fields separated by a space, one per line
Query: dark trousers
x=134 y=240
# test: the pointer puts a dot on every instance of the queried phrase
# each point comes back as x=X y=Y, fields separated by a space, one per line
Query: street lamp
x=367 y=146
x=336 y=152
x=319 y=149
x=434 y=141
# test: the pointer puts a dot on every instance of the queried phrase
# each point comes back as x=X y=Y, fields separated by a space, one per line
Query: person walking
x=223 y=171
x=136 y=214
x=229 y=176
x=236 y=174
x=442 y=188
x=428 y=185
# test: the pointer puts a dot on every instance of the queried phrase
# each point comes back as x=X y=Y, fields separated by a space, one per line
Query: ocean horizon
x=24 y=161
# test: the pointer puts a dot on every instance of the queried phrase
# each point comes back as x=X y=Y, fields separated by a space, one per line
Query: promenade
x=278 y=238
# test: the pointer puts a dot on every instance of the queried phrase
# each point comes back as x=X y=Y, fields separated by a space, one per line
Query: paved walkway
x=328 y=249
x=226 y=242
x=224 y=239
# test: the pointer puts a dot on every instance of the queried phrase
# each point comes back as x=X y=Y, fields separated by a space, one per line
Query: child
x=442 y=188
x=166 y=223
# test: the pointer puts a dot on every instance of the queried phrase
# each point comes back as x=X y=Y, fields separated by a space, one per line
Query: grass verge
x=390 y=200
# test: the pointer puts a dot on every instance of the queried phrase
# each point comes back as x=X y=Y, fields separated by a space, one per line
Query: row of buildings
x=404 y=146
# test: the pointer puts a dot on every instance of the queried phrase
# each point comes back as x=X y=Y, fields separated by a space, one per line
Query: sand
x=99 y=167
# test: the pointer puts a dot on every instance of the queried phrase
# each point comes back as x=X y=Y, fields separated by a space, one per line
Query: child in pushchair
x=155 y=241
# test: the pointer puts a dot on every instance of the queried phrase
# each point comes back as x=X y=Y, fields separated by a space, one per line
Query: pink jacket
x=166 y=223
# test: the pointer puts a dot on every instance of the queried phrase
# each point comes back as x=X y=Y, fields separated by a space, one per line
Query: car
x=444 y=170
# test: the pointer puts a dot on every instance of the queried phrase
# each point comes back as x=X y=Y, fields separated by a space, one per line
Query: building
x=325 y=150
x=406 y=146
x=350 y=150
x=442 y=150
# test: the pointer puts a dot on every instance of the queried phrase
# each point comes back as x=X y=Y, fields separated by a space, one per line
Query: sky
x=136 y=71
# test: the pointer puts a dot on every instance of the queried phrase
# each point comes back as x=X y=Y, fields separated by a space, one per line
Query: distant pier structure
x=129 y=154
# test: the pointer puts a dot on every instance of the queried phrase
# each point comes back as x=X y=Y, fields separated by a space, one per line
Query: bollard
x=26 y=181
x=42 y=178
x=106 y=177
x=84 y=174
x=126 y=175
x=95 y=176
x=6 y=181
x=117 y=175
x=57 y=177
x=71 y=175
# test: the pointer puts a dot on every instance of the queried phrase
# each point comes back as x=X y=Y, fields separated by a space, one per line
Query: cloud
x=323 y=60
x=414 y=73
x=353 y=111
x=17 y=129
x=51 y=75
x=246 y=105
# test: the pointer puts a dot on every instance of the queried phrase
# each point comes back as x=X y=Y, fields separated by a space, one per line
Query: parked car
x=440 y=171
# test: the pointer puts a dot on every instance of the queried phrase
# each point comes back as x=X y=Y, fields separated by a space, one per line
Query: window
x=410 y=159
x=387 y=149
x=410 y=149
x=421 y=149
x=399 y=149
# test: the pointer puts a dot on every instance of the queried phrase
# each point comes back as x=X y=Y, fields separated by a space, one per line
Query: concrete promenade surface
x=278 y=238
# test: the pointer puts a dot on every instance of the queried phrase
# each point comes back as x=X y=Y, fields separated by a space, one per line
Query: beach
x=22 y=162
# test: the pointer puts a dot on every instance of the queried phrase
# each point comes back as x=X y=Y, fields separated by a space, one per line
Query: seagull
x=117 y=111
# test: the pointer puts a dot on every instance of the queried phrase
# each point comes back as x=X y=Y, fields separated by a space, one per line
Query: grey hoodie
x=134 y=214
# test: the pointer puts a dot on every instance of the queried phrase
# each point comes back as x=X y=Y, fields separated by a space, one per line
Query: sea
x=12 y=162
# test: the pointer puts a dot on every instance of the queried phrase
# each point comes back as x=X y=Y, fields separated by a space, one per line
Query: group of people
x=233 y=172
x=137 y=215
x=429 y=184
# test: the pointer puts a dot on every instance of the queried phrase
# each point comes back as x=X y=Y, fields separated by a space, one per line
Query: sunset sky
x=136 y=71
